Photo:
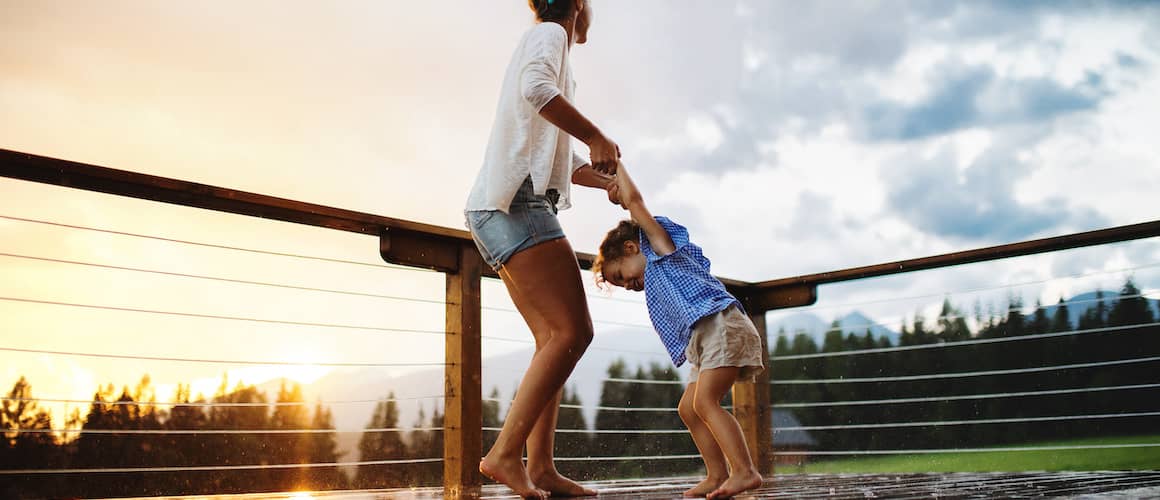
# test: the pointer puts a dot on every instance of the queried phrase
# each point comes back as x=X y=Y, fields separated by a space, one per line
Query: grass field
x=1002 y=461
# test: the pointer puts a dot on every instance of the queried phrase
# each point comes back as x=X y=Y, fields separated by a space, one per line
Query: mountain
x=1080 y=304
x=501 y=372
x=810 y=324
x=857 y=323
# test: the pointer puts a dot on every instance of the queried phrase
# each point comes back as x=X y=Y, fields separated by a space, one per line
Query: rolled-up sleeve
x=577 y=161
x=543 y=63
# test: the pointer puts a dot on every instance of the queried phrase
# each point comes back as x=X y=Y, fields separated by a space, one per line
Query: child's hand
x=614 y=194
x=626 y=189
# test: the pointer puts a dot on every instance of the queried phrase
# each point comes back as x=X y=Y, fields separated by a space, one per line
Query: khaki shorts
x=727 y=338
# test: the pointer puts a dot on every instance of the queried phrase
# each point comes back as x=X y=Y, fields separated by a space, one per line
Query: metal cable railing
x=236 y=362
x=224 y=280
x=843 y=327
x=961 y=343
x=965 y=397
x=213 y=468
x=427 y=247
x=19 y=346
x=380 y=265
x=922 y=451
x=223 y=404
x=981 y=373
x=1007 y=286
x=221 y=317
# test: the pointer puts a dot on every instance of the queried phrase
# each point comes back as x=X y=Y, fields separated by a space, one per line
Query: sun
x=299 y=367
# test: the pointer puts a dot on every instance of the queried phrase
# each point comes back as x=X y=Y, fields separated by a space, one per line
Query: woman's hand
x=604 y=154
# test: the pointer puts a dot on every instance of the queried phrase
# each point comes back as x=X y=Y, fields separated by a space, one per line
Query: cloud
x=978 y=202
x=977 y=97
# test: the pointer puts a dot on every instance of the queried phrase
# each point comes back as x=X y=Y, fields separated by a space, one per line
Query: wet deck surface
x=1089 y=485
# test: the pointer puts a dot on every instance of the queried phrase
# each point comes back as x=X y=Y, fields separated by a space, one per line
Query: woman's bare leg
x=541 y=442
x=711 y=387
x=716 y=470
x=547 y=280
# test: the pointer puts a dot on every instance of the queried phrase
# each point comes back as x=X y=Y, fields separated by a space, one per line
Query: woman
x=511 y=212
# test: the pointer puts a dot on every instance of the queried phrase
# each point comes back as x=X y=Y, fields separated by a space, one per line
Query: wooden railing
x=452 y=252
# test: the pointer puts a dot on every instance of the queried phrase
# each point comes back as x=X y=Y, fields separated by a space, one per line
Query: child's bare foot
x=560 y=486
x=708 y=485
x=512 y=474
x=736 y=484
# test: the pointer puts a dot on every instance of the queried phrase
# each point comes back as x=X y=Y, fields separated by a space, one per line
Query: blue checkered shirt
x=679 y=290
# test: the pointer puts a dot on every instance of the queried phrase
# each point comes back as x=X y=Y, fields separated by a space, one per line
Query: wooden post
x=463 y=417
x=751 y=407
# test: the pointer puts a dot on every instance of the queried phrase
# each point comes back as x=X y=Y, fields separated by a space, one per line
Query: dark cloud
x=815 y=60
x=979 y=203
x=1128 y=60
x=976 y=97
x=952 y=107
x=858 y=34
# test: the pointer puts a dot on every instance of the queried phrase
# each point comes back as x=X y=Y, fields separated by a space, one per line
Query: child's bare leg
x=711 y=387
x=545 y=280
x=716 y=470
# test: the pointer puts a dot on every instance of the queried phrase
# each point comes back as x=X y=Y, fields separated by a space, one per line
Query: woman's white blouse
x=522 y=142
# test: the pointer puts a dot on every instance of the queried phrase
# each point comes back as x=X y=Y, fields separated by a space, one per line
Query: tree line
x=1112 y=333
x=623 y=406
x=30 y=442
x=220 y=434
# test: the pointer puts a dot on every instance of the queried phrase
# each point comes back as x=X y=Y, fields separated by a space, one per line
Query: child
x=698 y=320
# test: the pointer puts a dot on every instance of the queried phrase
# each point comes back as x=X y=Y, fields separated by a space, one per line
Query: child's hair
x=552 y=10
x=612 y=248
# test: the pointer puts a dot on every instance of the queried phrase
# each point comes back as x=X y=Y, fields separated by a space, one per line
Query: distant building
x=790 y=440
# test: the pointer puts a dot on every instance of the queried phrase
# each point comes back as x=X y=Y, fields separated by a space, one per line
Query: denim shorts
x=531 y=220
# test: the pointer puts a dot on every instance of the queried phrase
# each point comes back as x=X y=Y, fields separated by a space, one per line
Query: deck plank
x=1086 y=485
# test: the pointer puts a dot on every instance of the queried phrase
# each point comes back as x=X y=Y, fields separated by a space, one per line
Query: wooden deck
x=1090 y=485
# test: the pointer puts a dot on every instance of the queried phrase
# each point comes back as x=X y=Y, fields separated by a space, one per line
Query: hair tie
x=550 y=2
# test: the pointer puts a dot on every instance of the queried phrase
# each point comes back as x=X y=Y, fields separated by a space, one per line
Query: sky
x=790 y=138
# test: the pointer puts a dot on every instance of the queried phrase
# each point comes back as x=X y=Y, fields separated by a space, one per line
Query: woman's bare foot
x=708 y=485
x=512 y=474
x=736 y=484
x=560 y=486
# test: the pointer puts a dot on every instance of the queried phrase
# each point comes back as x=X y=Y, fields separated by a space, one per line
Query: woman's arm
x=658 y=238
x=563 y=114
x=588 y=176
x=538 y=84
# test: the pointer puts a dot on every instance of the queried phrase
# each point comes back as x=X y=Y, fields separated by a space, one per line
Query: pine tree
x=324 y=449
x=615 y=394
x=1061 y=319
x=491 y=419
x=572 y=444
x=292 y=448
x=952 y=326
x=27 y=450
x=376 y=445
x=183 y=450
x=240 y=413
x=1040 y=323
x=781 y=347
x=1131 y=308
x=1014 y=324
